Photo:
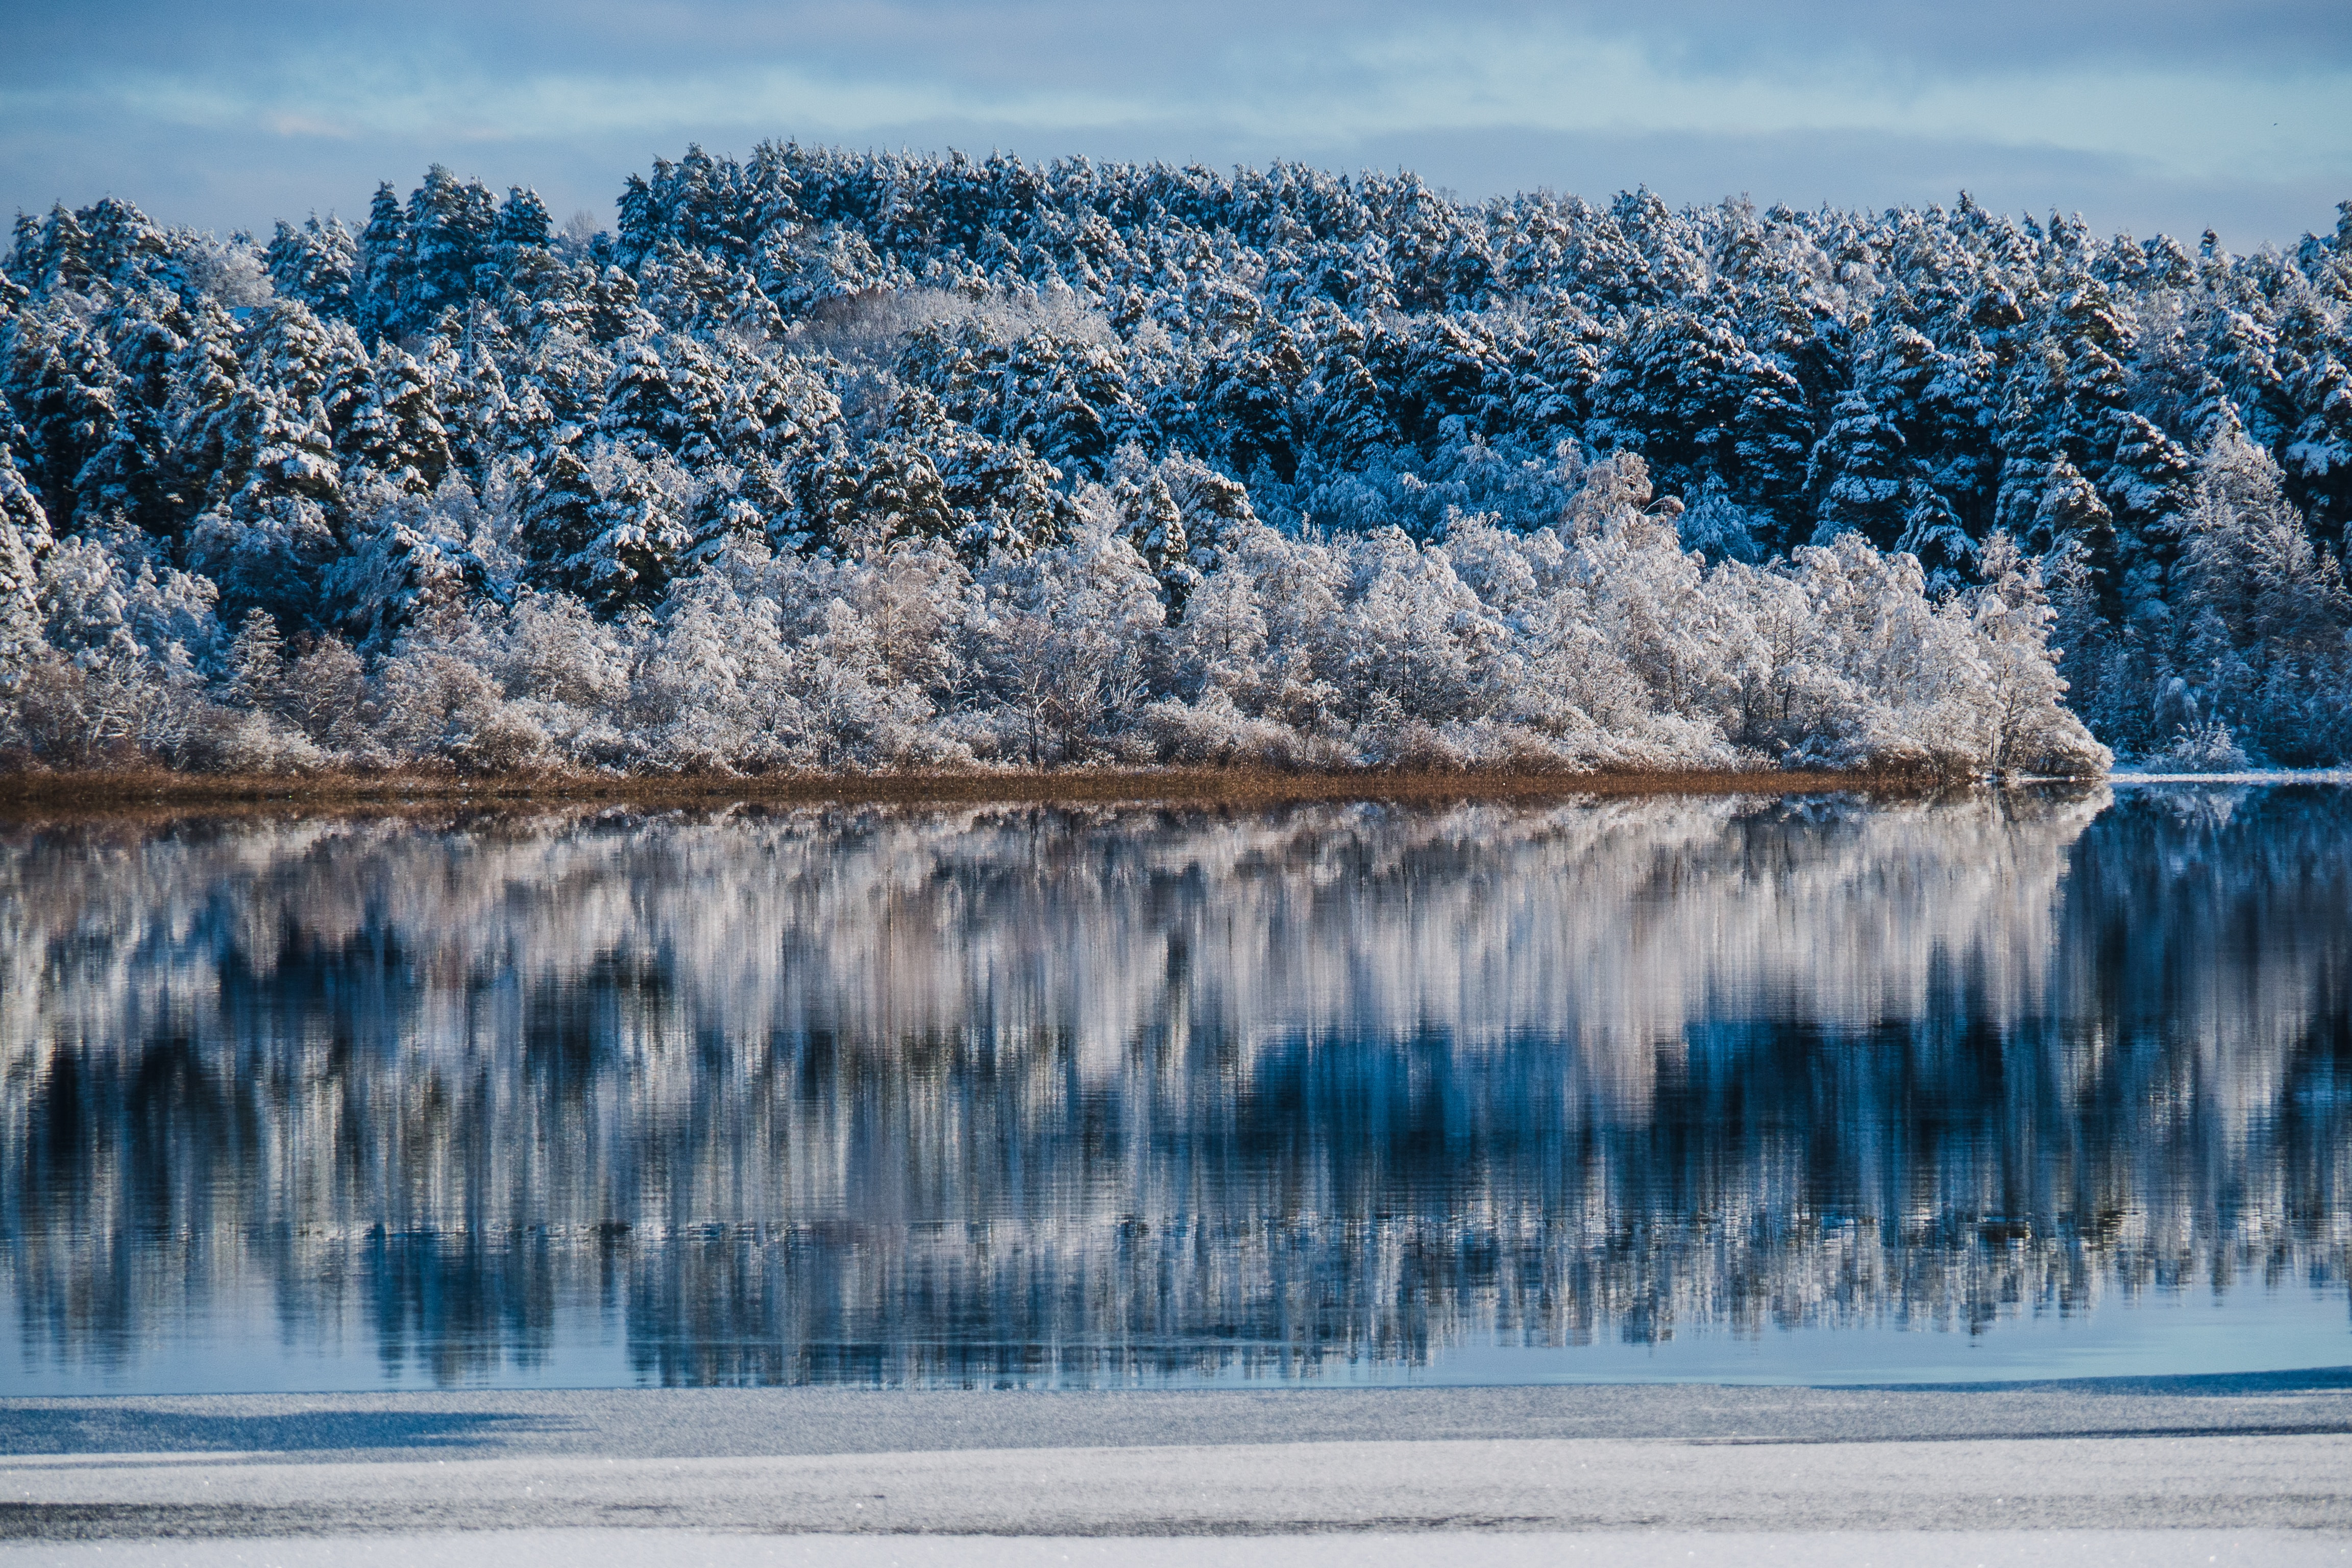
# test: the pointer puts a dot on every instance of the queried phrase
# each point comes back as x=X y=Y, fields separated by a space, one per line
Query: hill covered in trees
x=854 y=460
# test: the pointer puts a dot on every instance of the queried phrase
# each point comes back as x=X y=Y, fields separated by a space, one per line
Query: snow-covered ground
x=1631 y=1548
x=2133 y=775
x=2195 y=1470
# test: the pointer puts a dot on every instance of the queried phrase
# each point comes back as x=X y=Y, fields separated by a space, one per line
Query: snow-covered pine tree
x=559 y=521
x=25 y=538
x=1154 y=526
x=1860 y=475
x=2268 y=613
x=380 y=294
x=314 y=265
x=885 y=358
x=451 y=231
x=395 y=427
x=256 y=662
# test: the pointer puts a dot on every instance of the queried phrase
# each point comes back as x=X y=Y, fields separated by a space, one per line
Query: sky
x=2144 y=116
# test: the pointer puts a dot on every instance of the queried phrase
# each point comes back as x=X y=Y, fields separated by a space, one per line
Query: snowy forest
x=856 y=461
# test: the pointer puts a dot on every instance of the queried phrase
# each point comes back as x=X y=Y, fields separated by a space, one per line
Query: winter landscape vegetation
x=970 y=849
x=1521 y=783
x=836 y=461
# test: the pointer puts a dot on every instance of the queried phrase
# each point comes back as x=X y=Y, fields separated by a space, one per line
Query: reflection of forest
x=881 y=1093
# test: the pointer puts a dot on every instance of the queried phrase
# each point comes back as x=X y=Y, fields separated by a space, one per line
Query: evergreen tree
x=895 y=493
x=853 y=358
x=451 y=224
x=1860 y=475
x=256 y=662
x=385 y=266
x=559 y=521
x=2268 y=613
x=641 y=408
x=395 y=425
x=521 y=227
x=1154 y=527
x=23 y=538
x=313 y=265
x=2070 y=519
x=640 y=533
x=2319 y=457
x=1345 y=414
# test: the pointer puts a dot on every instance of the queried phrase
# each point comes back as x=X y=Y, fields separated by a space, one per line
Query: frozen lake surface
x=2243 y=1470
x=1648 y=1549
x=2044 y=1084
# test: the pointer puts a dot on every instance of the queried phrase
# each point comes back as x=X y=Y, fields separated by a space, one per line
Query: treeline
x=831 y=459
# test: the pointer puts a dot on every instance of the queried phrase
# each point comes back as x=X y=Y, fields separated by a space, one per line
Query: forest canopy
x=823 y=460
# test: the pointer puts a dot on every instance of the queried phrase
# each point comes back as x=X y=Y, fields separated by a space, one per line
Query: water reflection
x=1135 y=1095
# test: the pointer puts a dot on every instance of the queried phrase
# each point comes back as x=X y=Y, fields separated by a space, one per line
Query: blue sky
x=2145 y=116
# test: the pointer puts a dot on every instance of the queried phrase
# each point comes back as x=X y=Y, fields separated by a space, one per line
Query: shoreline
x=1076 y=786
x=1744 y=1465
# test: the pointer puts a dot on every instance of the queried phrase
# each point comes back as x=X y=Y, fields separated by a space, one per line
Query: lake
x=1990 y=1084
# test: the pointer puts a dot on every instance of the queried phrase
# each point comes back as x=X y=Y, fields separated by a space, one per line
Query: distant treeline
x=851 y=460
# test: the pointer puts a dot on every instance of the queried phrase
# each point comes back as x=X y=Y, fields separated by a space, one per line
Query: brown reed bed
x=44 y=792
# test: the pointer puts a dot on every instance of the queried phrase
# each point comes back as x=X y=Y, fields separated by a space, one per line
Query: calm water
x=2043 y=1084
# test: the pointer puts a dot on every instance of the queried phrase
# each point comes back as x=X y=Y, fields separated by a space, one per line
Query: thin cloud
x=2162 y=96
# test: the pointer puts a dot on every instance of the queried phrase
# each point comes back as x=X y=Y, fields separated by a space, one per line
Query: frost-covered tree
x=1403 y=477
x=2266 y=651
x=313 y=265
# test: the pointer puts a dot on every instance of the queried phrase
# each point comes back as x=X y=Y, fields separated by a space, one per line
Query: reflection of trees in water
x=884 y=1094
